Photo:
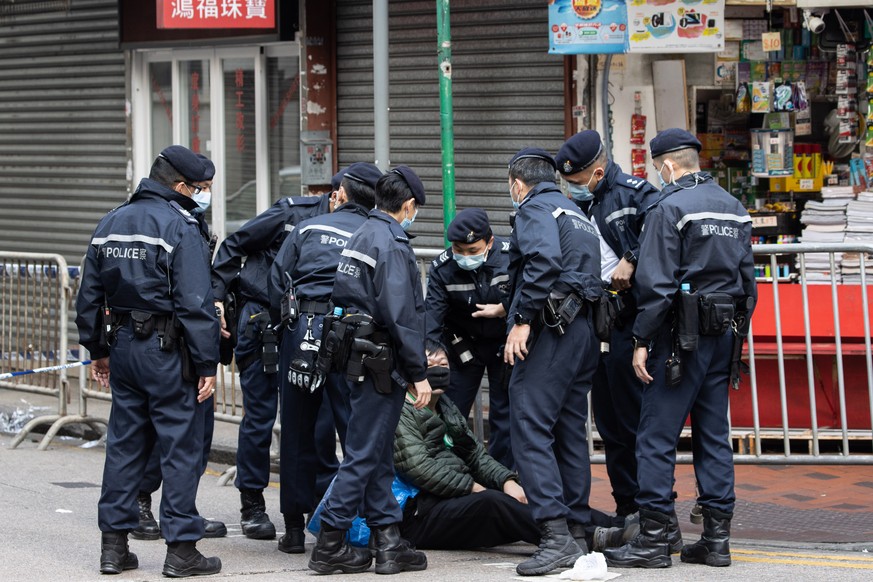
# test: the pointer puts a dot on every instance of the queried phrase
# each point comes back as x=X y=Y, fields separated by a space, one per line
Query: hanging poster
x=676 y=26
x=587 y=26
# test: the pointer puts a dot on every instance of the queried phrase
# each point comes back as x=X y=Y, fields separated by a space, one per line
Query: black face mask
x=438 y=377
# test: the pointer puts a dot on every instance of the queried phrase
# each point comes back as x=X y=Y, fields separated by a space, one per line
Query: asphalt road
x=48 y=504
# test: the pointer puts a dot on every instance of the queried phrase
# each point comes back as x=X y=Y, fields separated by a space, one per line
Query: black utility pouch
x=606 y=312
x=270 y=351
x=143 y=324
x=673 y=371
x=716 y=314
x=687 y=320
x=189 y=373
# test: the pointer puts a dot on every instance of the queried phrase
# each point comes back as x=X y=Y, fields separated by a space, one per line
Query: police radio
x=290 y=308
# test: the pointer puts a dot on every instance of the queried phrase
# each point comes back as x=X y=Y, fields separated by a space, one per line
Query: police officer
x=695 y=260
x=615 y=202
x=145 y=288
x=377 y=278
x=258 y=241
x=467 y=296
x=309 y=258
x=555 y=273
x=148 y=528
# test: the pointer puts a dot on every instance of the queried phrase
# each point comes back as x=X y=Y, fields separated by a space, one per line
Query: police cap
x=210 y=167
x=533 y=153
x=579 y=152
x=469 y=225
x=671 y=140
x=187 y=163
x=337 y=179
x=413 y=181
x=364 y=173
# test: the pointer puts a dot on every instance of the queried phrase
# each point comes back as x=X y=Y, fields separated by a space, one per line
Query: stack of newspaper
x=824 y=222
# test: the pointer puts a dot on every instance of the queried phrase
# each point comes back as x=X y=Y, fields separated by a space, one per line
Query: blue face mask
x=580 y=193
x=203 y=200
x=470 y=262
x=661 y=178
x=515 y=204
x=407 y=222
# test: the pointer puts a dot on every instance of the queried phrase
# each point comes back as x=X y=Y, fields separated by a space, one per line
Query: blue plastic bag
x=359 y=533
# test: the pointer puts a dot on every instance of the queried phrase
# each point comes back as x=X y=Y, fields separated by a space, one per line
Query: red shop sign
x=216 y=14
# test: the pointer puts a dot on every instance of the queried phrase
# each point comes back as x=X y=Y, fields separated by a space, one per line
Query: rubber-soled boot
x=212 y=528
x=114 y=554
x=648 y=549
x=608 y=537
x=148 y=528
x=674 y=534
x=254 y=521
x=184 y=560
x=332 y=553
x=713 y=547
x=393 y=553
x=558 y=549
x=293 y=540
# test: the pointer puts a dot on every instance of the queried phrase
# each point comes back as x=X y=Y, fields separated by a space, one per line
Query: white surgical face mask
x=203 y=200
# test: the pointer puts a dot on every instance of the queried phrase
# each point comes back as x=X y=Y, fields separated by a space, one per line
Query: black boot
x=648 y=549
x=332 y=553
x=674 y=534
x=254 y=521
x=184 y=560
x=393 y=553
x=558 y=549
x=713 y=548
x=292 y=541
x=213 y=528
x=615 y=537
x=114 y=554
x=148 y=528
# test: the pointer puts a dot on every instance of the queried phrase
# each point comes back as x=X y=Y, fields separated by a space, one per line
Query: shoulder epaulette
x=185 y=214
x=441 y=260
x=303 y=200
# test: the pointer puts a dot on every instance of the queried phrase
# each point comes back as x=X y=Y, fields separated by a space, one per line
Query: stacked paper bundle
x=859 y=229
x=824 y=222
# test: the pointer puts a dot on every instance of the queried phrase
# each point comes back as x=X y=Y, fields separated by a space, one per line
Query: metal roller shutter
x=63 y=132
x=508 y=93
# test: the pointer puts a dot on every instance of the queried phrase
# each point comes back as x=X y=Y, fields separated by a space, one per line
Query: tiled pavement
x=795 y=503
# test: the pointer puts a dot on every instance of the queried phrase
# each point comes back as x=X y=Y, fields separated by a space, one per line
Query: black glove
x=438 y=377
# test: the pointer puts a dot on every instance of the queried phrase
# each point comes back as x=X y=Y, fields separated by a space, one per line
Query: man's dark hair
x=164 y=173
x=532 y=171
x=359 y=193
x=391 y=192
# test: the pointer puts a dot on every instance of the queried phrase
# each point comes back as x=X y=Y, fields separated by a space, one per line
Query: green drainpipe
x=444 y=52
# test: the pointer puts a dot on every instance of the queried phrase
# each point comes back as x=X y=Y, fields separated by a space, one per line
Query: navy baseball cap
x=364 y=173
x=469 y=225
x=187 y=163
x=533 y=153
x=579 y=152
x=413 y=181
x=671 y=140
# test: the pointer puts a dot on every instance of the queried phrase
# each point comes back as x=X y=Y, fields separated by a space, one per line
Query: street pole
x=444 y=52
x=381 y=143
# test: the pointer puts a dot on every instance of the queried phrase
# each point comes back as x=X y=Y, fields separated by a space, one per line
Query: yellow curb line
x=809 y=556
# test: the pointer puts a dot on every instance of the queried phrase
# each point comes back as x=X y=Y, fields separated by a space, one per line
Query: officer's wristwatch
x=521 y=320
x=641 y=343
x=630 y=257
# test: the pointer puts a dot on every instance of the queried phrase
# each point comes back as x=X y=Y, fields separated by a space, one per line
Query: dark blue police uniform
x=698 y=234
x=258 y=241
x=554 y=251
x=310 y=255
x=619 y=204
x=452 y=295
x=149 y=255
x=377 y=276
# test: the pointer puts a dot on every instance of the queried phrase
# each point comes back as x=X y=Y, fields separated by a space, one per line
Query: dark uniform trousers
x=464 y=384
x=303 y=476
x=478 y=520
x=152 y=408
x=364 y=479
x=703 y=392
x=548 y=395
x=615 y=401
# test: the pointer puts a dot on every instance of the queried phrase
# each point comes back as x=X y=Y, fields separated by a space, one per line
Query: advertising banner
x=587 y=26
x=215 y=14
x=675 y=26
